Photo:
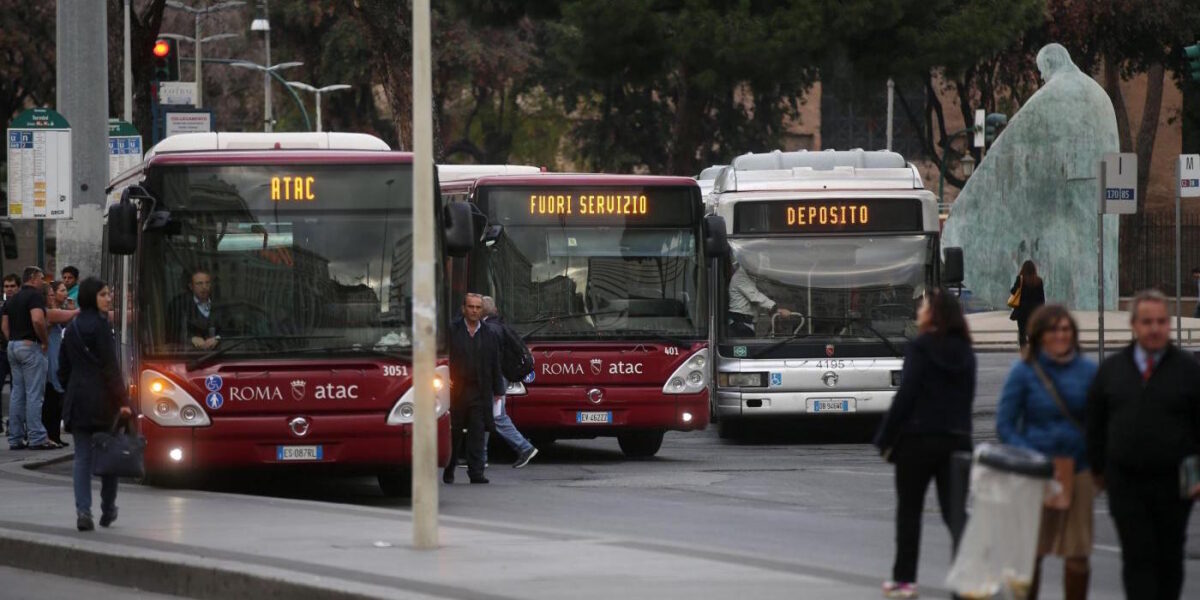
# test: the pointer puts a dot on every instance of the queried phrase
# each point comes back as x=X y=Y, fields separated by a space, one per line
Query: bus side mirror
x=458 y=228
x=8 y=236
x=952 y=267
x=123 y=222
x=715 y=243
x=492 y=235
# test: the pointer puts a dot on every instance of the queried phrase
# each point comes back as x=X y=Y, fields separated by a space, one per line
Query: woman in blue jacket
x=1030 y=416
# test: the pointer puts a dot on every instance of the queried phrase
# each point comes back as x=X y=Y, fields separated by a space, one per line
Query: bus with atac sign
x=263 y=303
x=605 y=279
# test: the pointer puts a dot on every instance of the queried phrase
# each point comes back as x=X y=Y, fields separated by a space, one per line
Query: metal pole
x=1100 y=254
x=424 y=444
x=267 y=127
x=318 y=94
x=1178 y=268
x=128 y=70
x=196 y=69
x=891 y=94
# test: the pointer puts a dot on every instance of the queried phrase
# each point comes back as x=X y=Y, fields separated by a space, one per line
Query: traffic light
x=993 y=125
x=166 y=60
x=1192 y=53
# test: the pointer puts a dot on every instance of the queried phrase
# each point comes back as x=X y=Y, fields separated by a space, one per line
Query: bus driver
x=196 y=320
x=743 y=296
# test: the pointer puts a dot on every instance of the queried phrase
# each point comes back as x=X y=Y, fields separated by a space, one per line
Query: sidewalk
x=205 y=544
x=994 y=330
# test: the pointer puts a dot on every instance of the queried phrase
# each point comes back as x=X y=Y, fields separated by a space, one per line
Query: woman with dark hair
x=1033 y=295
x=95 y=395
x=1042 y=407
x=929 y=420
x=57 y=316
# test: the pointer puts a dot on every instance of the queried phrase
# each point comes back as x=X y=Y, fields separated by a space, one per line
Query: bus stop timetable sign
x=1118 y=189
x=39 y=166
x=1189 y=175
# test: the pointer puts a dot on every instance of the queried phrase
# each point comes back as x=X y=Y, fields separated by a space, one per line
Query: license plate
x=299 y=452
x=593 y=417
x=833 y=405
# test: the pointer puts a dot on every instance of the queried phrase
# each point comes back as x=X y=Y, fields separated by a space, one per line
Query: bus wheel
x=395 y=484
x=730 y=429
x=642 y=444
x=542 y=441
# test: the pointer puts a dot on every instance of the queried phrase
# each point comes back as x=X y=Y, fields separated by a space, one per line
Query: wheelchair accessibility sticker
x=213 y=383
x=776 y=379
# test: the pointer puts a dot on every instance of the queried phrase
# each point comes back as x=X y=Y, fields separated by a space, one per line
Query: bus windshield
x=844 y=288
x=563 y=282
x=256 y=262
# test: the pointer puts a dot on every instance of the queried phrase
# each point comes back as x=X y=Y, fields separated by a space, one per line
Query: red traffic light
x=162 y=48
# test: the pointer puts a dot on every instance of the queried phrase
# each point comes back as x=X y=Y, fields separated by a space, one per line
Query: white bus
x=830 y=254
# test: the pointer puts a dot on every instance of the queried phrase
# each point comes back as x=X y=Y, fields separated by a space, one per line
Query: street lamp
x=318 y=91
x=199 y=41
x=263 y=24
x=268 y=118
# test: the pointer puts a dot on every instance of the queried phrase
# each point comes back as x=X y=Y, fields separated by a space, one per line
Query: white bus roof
x=825 y=170
x=199 y=142
x=471 y=172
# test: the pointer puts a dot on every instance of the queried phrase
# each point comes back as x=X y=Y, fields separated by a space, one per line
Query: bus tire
x=730 y=429
x=395 y=484
x=542 y=441
x=640 y=444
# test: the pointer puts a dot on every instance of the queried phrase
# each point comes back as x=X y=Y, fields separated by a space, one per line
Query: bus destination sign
x=869 y=215
x=293 y=188
x=592 y=206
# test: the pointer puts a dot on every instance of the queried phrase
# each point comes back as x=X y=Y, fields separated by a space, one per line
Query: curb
x=69 y=558
x=34 y=465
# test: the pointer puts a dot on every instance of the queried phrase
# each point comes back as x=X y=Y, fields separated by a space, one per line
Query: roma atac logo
x=597 y=366
x=298 y=389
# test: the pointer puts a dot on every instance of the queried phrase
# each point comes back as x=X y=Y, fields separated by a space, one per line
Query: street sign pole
x=424 y=440
x=128 y=68
x=1118 y=195
x=1188 y=186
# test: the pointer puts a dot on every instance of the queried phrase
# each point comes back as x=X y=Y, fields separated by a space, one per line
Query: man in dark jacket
x=195 y=322
x=475 y=385
x=1143 y=420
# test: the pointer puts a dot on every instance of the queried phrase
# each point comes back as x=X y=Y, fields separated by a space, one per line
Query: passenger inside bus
x=194 y=319
x=744 y=296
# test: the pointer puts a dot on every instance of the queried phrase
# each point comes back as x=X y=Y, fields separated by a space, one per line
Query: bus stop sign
x=1118 y=184
x=1189 y=175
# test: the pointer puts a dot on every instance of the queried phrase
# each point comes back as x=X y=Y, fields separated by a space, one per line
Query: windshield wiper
x=236 y=342
x=545 y=321
x=398 y=352
x=883 y=338
x=659 y=335
x=794 y=335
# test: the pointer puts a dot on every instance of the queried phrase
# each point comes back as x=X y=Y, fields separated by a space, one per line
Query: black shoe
x=448 y=476
x=107 y=518
x=18 y=446
x=83 y=522
x=61 y=444
x=480 y=480
x=525 y=457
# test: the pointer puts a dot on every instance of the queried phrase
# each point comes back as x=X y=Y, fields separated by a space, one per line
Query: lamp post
x=318 y=91
x=199 y=41
x=268 y=125
x=263 y=24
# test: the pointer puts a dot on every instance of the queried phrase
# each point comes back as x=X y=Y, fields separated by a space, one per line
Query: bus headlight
x=167 y=404
x=404 y=410
x=691 y=377
x=515 y=388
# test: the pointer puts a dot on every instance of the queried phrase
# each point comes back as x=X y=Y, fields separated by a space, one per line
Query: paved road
x=795 y=492
x=17 y=583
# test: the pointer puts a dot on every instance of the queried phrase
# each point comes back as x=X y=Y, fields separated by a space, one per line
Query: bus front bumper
x=361 y=442
x=820 y=404
x=568 y=412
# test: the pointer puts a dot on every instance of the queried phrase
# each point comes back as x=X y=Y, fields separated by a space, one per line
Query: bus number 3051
x=395 y=370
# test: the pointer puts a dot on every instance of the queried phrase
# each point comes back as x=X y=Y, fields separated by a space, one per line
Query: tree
x=26 y=56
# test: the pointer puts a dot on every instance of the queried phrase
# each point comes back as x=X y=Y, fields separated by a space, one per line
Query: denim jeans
x=83 y=478
x=508 y=432
x=28 y=384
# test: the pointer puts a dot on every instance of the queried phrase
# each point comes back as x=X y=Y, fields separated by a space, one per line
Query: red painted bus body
x=604 y=276
x=307 y=248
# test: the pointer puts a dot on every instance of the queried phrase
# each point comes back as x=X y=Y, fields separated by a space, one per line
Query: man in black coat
x=475 y=385
x=194 y=320
x=1143 y=420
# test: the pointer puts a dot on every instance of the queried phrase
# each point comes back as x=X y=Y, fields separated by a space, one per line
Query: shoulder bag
x=1064 y=466
x=1014 y=301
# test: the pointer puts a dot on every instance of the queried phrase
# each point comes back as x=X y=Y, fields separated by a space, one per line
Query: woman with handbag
x=1042 y=408
x=929 y=420
x=95 y=395
x=1028 y=293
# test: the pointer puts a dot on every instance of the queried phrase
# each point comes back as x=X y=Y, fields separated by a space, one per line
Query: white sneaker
x=892 y=589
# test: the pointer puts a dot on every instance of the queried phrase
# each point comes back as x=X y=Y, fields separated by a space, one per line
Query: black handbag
x=119 y=452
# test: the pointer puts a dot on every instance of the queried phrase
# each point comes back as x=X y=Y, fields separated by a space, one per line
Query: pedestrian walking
x=1143 y=423
x=24 y=325
x=508 y=432
x=57 y=316
x=929 y=420
x=1042 y=407
x=475 y=385
x=1027 y=294
x=12 y=285
x=95 y=396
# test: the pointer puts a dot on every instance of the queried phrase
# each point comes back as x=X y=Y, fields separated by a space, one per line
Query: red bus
x=605 y=277
x=263 y=302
